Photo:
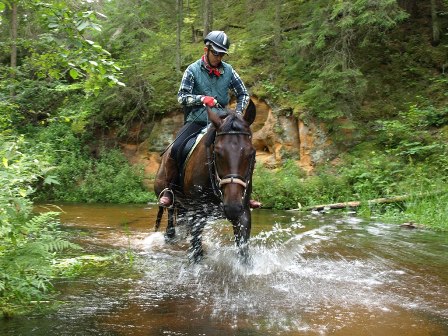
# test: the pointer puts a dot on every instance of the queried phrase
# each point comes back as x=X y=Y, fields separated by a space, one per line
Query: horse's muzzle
x=233 y=211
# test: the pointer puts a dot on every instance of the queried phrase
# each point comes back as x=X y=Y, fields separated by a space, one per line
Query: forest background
x=71 y=71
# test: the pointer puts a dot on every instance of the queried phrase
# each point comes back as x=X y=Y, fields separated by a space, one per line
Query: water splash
x=295 y=274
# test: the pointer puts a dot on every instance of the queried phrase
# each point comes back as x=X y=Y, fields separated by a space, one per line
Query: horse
x=216 y=179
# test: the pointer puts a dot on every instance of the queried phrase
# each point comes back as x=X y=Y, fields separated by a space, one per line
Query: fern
x=27 y=258
x=47 y=221
x=59 y=245
x=29 y=243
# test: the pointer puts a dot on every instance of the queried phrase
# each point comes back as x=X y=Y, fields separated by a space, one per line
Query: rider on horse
x=205 y=82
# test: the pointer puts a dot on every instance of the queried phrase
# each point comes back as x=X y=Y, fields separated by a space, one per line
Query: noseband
x=216 y=181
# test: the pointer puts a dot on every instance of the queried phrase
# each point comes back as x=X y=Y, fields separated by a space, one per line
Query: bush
x=112 y=179
x=83 y=178
x=431 y=211
x=28 y=243
x=372 y=176
x=288 y=187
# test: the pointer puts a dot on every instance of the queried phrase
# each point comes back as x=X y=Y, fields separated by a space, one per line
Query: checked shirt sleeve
x=241 y=93
x=185 y=95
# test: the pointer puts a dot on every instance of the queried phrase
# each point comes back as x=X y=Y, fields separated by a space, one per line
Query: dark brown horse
x=216 y=180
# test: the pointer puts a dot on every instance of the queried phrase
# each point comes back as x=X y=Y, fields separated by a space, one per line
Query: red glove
x=209 y=101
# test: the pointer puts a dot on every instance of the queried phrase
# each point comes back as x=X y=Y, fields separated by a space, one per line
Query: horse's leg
x=241 y=231
x=159 y=218
x=170 y=232
x=196 y=252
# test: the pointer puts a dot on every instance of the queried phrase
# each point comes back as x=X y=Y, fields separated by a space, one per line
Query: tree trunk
x=277 y=36
x=208 y=17
x=14 y=25
x=355 y=204
x=178 y=34
x=409 y=6
x=435 y=24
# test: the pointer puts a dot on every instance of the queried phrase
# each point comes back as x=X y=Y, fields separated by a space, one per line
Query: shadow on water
x=310 y=274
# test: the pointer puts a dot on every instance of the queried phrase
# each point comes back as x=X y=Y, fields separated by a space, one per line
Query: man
x=205 y=82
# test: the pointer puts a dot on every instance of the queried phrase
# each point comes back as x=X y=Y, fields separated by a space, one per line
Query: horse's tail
x=159 y=218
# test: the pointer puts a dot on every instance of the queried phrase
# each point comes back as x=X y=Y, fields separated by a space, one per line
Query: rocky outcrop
x=277 y=135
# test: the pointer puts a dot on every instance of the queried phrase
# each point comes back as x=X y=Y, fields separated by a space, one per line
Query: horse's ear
x=250 y=113
x=214 y=118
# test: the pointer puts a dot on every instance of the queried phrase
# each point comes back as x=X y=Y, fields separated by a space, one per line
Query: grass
x=431 y=212
x=287 y=188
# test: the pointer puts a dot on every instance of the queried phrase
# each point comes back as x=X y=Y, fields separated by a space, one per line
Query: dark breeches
x=183 y=136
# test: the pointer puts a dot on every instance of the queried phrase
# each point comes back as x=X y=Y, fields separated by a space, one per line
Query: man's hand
x=209 y=101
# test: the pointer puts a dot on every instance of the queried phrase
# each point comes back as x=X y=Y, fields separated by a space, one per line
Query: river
x=310 y=274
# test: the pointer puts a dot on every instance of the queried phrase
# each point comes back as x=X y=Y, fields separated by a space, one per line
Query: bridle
x=217 y=181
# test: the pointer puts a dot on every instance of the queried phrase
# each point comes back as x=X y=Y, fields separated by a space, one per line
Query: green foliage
x=36 y=102
x=9 y=116
x=411 y=137
x=333 y=31
x=371 y=176
x=288 y=187
x=83 y=178
x=111 y=179
x=28 y=243
x=55 y=45
x=334 y=93
x=142 y=38
x=408 y=157
x=431 y=211
x=65 y=48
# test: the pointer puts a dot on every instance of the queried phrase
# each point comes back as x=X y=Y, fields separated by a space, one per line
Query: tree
x=208 y=17
x=435 y=23
x=277 y=23
x=13 y=44
x=327 y=43
x=57 y=44
x=179 y=5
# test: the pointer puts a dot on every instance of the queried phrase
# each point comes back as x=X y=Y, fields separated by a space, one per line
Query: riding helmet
x=219 y=41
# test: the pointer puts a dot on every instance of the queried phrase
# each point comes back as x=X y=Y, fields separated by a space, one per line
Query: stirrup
x=172 y=198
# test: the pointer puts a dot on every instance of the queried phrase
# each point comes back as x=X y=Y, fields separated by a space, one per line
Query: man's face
x=214 y=57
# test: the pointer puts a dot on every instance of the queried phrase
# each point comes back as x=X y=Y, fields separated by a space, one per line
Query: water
x=310 y=274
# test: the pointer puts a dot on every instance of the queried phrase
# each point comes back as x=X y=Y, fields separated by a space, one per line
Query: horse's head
x=234 y=159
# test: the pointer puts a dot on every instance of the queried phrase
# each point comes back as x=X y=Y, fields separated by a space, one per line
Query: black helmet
x=219 y=41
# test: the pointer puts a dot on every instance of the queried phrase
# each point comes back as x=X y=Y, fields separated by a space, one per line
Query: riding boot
x=166 y=197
